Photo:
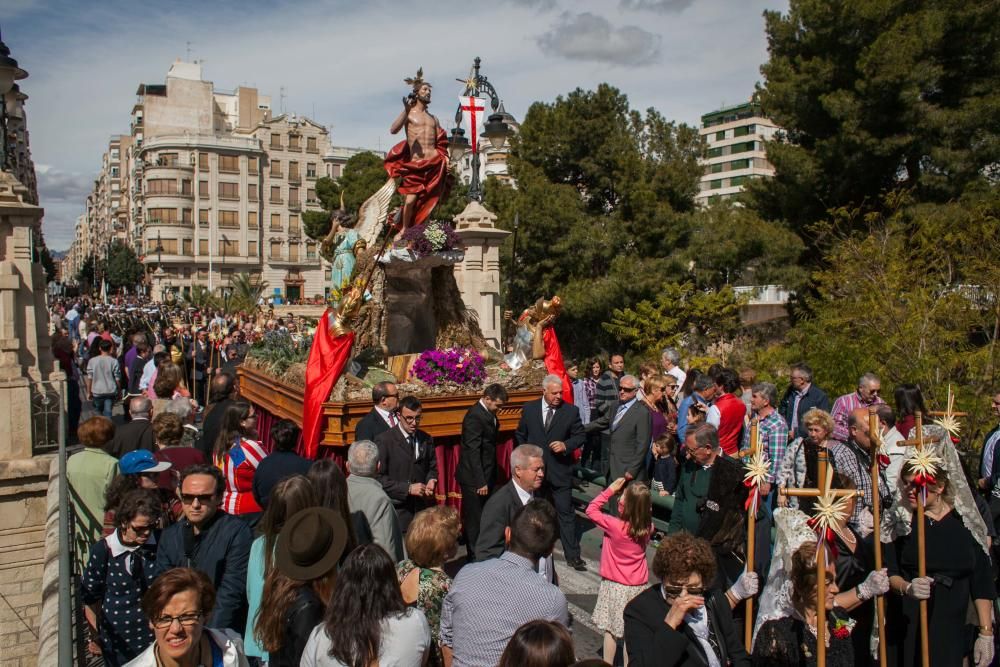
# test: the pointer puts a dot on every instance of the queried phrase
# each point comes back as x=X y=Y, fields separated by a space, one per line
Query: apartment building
x=735 y=138
x=196 y=180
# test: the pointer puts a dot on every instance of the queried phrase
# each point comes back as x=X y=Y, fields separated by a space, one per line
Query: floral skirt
x=610 y=608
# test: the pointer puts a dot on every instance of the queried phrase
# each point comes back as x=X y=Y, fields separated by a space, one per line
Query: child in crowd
x=664 y=465
x=624 y=573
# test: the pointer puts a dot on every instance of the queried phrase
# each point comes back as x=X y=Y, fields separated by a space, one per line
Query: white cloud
x=589 y=37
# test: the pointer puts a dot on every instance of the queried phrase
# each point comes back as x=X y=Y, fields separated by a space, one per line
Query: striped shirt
x=488 y=601
x=842 y=409
x=239 y=467
x=855 y=464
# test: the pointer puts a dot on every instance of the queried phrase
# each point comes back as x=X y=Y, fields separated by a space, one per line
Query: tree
x=605 y=200
x=45 y=257
x=363 y=174
x=201 y=298
x=680 y=315
x=878 y=95
x=912 y=297
x=123 y=267
x=247 y=291
x=85 y=275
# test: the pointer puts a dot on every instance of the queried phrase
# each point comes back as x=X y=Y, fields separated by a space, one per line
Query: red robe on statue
x=554 y=362
x=327 y=358
x=427 y=178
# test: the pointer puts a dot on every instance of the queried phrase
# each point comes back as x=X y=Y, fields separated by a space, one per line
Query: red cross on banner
x=473 y=109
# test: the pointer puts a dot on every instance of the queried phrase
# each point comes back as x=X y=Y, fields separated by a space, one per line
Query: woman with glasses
x=790 y=641
x=177 y=605
x=681 y=622
x=119 y=572
x=140 y=470
x=238 y=453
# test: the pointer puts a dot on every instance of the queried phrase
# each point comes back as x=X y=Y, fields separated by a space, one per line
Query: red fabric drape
x=427 y=178
x=448 y=450
x=327 y=359
x=554 y=362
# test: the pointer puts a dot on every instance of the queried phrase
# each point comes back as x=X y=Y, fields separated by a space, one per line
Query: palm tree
x=247 y=291
x=202 y=299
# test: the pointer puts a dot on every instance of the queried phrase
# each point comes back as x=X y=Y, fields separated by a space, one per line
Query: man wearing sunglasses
x=212 y=541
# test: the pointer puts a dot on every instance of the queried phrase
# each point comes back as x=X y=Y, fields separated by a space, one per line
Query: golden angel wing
x=373 y=213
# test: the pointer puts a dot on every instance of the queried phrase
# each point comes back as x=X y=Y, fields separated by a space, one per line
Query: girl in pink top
x=624 y=573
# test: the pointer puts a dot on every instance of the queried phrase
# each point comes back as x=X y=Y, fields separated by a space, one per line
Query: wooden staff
x=823 y=483
x=751 y=535
x=875 y=436
x=918 y=442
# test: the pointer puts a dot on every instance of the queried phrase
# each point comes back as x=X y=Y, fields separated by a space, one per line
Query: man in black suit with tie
x=556 y=428
x=383 y=415
x=477 y=460
x=408 y=468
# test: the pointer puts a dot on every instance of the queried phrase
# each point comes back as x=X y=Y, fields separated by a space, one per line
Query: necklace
x=847 y=536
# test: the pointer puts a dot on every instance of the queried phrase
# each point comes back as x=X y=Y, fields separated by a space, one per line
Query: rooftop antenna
x=188 y=51
x=281 y=99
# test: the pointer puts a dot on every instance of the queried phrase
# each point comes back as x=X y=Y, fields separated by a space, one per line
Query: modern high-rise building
x=735 y=138
x=209 y=184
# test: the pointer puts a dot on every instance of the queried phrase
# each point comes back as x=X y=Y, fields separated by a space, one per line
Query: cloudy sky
x=342 y=62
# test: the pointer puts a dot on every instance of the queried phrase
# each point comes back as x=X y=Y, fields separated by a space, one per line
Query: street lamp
x=496 y=130
x=9 y=73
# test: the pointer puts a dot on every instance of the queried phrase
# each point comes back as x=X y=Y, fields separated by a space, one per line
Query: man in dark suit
x=801 y=397
x=408 y=468
x=223 y=393
x=631 y=427
x=556 y=427
x=477 y=460
x=382 y=416
x=527 y=472
x=136 y=434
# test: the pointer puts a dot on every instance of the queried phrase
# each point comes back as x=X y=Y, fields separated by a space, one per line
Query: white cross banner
x=473 y=111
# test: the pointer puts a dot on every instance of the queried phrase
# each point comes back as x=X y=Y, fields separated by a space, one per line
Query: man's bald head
x=857 y=423
x=222 y=386
x=140 y=406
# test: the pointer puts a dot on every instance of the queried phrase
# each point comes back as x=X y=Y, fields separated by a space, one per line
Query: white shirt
x=147 y=374
x=544 y=568
x=384 y=414
x=678 y=374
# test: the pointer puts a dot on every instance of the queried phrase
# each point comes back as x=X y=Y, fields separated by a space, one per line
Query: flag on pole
x=473 y=110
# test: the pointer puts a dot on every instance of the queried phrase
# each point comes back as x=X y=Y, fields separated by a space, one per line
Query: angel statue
x=339 y=248
x=528 y=340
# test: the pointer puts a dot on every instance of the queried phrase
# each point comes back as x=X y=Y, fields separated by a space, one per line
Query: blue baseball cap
x=141 y=460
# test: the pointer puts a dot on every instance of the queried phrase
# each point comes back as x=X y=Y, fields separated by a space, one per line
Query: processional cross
x=829 y=506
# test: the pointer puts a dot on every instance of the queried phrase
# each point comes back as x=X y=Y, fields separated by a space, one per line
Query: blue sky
x=342 y=63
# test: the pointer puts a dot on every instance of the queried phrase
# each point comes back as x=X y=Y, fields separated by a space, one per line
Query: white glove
x=866 y=523
x=876 y=583
x=745 y=587
x=920 y=588
x=982 y=654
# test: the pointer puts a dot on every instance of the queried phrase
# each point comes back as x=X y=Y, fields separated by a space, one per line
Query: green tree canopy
x=363 y=174
x=123 y=267
x=877 y=95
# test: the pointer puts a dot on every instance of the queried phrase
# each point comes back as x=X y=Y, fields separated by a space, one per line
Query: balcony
x=279 y=200
x=312 y=149
x=294 y=206
x=158 y=222
x=294 y=179
x=277 y=174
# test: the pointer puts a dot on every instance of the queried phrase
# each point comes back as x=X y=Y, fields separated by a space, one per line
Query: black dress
x=852 y=568
x=116 y=583
x=961 y=573
x=787 y=642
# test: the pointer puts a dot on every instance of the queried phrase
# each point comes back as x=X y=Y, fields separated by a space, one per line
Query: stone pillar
x=25 y=358
x=478 y=275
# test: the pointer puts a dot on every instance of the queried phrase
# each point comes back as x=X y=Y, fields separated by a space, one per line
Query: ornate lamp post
x=9 y=73
x=495 y=131
x=159 y=273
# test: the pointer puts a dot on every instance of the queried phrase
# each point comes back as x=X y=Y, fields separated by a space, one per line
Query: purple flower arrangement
x=431 y=237
x=456 y=365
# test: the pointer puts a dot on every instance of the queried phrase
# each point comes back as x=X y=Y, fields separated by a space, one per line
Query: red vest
x=732 y=412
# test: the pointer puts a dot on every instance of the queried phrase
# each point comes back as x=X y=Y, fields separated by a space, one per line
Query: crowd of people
x=198 y=544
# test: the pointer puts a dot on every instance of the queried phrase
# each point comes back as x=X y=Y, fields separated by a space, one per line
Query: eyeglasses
x=673 y=590
x=410 y=419
x=186 y=620
x=628 y=390
x=140 y=530
x=202 y=498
